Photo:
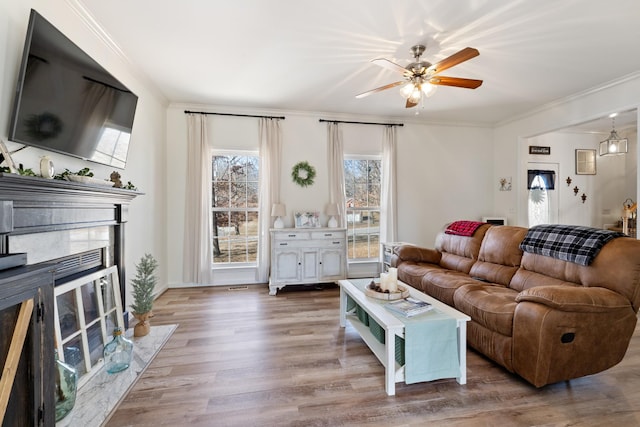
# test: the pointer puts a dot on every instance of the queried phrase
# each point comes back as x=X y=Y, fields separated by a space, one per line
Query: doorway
x=542 y=200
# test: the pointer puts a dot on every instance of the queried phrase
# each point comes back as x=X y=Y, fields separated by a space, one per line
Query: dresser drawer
x=321 y=235
x=292 y=235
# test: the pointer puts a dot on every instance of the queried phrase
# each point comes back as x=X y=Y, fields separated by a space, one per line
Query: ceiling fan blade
x=410 y=104
x=385 y=63
x=455 y=81
x=380 y=89
x=464 y=55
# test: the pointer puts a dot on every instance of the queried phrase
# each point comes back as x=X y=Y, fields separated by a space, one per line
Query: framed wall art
x=307 y=219
x=585 y=162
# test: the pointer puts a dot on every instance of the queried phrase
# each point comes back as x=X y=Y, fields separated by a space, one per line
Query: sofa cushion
x=525 y=279
x=442 y=283
x=413 y=272
x=460 y=252
x=489 y=305
x=500 y=255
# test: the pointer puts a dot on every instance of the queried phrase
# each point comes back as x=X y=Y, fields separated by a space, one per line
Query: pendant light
x=614 y=144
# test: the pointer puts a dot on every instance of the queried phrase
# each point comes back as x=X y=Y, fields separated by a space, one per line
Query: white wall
x=444 y=172
x=146 y=229
x=510 y=143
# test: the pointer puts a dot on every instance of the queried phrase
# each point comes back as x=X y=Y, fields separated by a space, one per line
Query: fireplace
x=79 y=227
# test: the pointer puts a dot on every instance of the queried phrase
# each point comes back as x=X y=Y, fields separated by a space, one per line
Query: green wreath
x=308 y=174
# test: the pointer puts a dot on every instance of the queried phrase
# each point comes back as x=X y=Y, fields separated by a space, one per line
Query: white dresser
x=313 y=255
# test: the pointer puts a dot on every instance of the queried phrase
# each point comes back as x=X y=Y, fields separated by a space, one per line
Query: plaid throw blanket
x=571 y=243
x=463 y=228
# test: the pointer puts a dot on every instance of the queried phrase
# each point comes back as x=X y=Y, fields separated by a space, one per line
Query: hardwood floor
x=244 y=358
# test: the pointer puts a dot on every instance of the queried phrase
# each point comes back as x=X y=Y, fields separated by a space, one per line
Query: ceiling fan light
x=428 y=89
x=416 y=95
x=406 y=90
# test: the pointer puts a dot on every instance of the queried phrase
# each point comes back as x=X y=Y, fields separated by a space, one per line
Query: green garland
x=308 y=169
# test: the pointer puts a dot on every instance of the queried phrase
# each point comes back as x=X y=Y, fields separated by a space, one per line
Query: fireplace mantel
x=31 y=205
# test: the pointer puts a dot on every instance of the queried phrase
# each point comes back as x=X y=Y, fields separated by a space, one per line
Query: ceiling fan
x=421 y=77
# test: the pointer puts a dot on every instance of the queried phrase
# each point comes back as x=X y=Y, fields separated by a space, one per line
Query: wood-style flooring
x=243 y=358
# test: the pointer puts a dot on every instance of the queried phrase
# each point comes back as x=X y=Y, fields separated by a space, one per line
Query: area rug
x=97 y=399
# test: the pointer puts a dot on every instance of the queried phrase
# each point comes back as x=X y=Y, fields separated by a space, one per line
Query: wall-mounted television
x=66 y=102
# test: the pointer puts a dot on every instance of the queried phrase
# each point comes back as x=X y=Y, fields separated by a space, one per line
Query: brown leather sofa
x=542 y=318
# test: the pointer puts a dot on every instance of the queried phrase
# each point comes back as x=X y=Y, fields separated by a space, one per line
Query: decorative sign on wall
x=536 y=149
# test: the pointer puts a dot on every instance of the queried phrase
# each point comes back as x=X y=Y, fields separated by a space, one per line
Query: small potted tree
x=143 y=285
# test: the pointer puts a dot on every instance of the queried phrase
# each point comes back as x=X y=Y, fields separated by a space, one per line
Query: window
x=235 y=209
x=538 y=201
x=363 y=187
x=86 y=311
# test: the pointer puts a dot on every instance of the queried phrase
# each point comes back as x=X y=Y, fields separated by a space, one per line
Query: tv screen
x=67 y=103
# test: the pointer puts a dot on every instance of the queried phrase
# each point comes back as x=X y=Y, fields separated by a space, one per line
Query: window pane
x=252 y=225
x=221 y=249
x=237 y=167
x=238 y=194
x=238 y=220
x=96 y=346
x=252 y=168
x=252 y=250
x=252 y=194
x=238 y=250
x=221 y=223
x=360 y=196
x=89 y=302
x=73 y=355
x=67 y=313
x=108 y=298
x=220 y=168
x=374 y=195
x=220 y=196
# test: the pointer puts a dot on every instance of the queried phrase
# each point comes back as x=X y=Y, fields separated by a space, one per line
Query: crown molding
x=573 y=97
x=105 y=38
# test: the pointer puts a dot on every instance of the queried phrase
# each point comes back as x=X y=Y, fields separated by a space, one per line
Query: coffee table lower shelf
x=377 y=348
x=393 y=326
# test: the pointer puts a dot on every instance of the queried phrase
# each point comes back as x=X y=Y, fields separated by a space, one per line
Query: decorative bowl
x=402 y=292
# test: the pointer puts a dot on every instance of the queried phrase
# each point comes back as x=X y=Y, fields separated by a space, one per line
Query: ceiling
x=315 y=55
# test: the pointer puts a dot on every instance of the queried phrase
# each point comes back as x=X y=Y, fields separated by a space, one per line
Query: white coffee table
x=393 y=326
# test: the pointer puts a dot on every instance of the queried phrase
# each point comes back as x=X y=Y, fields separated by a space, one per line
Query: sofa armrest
x=418 y=254
x=575 y=299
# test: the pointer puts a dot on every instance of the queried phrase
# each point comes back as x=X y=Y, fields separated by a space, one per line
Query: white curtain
x=197 y=261
x=335 y=160
x=270 y=165
x=388 y=202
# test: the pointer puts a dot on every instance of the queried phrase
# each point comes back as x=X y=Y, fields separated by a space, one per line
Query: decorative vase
x=66 y=387
x=143 y=327
x=117 y=353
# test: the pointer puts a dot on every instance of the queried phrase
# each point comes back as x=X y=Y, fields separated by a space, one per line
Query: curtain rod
x=234 y=115
x=361 y=123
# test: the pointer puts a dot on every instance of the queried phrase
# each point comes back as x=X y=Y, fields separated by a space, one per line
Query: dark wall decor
x=536 y=149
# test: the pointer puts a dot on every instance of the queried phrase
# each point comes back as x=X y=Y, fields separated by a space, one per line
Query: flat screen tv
x=67 y=103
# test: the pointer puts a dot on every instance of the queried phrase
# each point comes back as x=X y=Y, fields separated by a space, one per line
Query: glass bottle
x=66 y=387
x=117 y=353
